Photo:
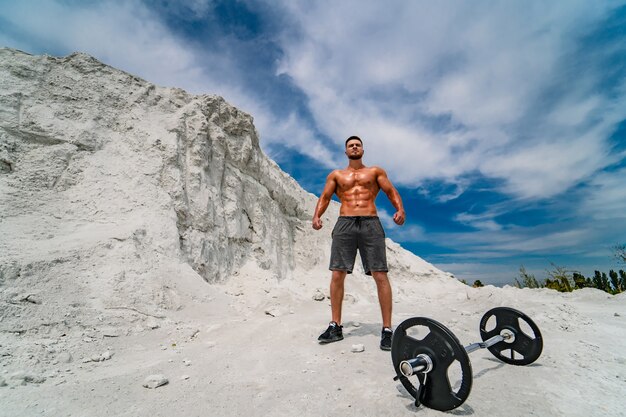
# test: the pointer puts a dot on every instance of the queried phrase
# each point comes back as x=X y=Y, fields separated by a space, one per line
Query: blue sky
x=502 y=124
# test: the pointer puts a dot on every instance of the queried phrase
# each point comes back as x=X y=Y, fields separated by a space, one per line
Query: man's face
x=354 y=149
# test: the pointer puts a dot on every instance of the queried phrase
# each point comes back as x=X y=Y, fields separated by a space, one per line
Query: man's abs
x=357 y=208
x=357 y=192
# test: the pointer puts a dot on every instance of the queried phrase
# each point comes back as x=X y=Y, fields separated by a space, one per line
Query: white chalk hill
x=144 y=232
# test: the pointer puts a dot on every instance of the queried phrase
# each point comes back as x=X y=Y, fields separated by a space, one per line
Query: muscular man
x=358 y=227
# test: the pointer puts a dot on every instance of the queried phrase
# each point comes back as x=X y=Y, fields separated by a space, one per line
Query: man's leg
x=384 y=296
x=336 y=294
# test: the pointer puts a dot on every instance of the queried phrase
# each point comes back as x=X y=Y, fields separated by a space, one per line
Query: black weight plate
x=442 y=346
x=527 y=347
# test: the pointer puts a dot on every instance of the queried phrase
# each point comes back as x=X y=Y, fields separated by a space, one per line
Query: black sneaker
x=385 y=338
x=332 y=334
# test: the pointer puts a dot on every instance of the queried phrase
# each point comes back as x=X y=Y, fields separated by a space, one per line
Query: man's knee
x=380 y=277
x=339 y=276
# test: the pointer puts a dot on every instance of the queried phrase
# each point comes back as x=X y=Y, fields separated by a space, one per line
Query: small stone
x=273 y=311
x=184 y=377
x=616 y=314
x=152 y=324
x=111 y=332
x=18 y=376
x=3 y=383
x=106 y=356
x=24 y=377
x=33 y=299
x=35 y=379
x=358 y=348
x=64 y=357
x=194 y=333
x=155 y=381
x=319 y=296
x=356 y=324
x=187 y=362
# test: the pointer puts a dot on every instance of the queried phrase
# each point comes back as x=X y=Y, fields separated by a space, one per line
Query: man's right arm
x=324 y=201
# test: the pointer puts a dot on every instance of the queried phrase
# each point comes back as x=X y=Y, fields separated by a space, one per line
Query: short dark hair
x=353 y=137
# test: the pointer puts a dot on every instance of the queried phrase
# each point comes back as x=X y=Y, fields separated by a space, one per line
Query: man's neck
x=356 y=164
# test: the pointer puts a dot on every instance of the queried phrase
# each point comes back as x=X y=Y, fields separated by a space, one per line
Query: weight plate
x=444 y=349
x=527 y=347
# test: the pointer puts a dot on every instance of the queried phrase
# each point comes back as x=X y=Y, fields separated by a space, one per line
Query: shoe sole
x=385 y=348
x=325 y=342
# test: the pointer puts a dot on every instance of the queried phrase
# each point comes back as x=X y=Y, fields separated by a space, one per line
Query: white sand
x=242 y=361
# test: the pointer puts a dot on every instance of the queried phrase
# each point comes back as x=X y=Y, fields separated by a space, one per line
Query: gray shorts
x=364 y=233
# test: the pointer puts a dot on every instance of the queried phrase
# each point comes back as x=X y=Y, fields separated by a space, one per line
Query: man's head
x=354 y=147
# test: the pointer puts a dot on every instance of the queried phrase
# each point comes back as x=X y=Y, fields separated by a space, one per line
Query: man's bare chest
x=348 y=180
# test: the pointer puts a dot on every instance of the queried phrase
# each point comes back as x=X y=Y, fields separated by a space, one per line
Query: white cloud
x=484 y=65
x=405 y=233
x=607 y=197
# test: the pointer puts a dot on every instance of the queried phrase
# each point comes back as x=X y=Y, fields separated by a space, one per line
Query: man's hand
x=398 y=218
x=317 y=223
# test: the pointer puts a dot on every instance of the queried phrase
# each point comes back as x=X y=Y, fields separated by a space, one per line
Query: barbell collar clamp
x=422 y=363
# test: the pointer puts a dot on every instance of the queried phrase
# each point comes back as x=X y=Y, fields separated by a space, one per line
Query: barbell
x=430 y=359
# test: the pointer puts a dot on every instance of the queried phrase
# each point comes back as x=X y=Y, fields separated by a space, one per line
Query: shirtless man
x=358 y=227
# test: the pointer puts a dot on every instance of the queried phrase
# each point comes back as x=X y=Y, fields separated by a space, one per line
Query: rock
x=358 y=348
x=184 y=377
x=152 y=324
x=111 y=332
x=616 y=314
x=23 y=377
x=319 y=295
x=274 y=312
x=187 y=362
x=9 y=271
x=99 y=358
x=3 y=382
x=31 y=298
x=26 y=298
x=155 y=381
x=64 y=357
x=356 y=324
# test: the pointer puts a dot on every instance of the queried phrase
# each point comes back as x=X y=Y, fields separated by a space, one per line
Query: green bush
x=527 y=280
x=560 y=279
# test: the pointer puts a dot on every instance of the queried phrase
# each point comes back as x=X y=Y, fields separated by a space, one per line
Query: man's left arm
x=392 y=194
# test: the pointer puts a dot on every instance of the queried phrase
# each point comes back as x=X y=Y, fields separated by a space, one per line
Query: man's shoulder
x=377 y=169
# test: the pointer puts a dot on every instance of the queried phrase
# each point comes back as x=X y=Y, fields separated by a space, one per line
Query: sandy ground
x=235 y=359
